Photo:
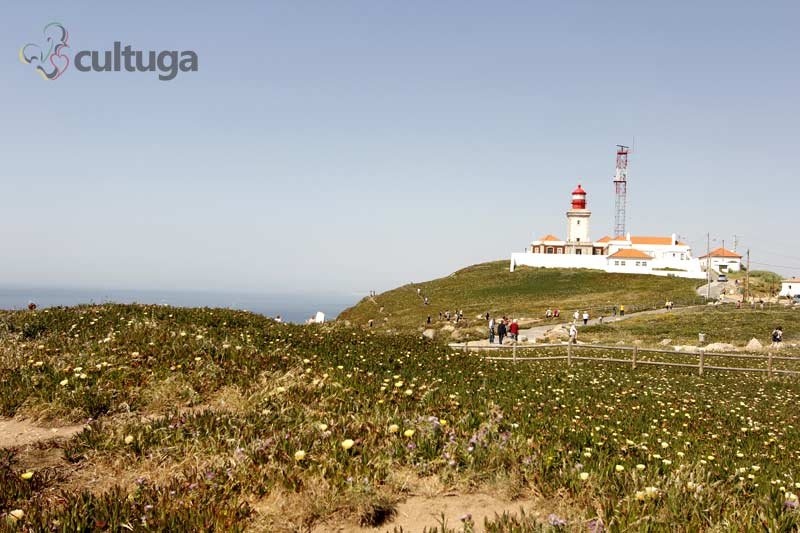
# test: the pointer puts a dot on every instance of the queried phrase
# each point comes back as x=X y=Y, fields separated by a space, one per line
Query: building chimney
x=674 y=239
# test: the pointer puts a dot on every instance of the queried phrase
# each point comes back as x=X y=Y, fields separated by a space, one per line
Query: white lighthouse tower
x=578 y=241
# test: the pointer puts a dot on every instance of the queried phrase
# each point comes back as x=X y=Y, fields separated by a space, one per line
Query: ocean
x=291 y=307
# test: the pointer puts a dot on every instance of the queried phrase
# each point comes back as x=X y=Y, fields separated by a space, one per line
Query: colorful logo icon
x=49 y=58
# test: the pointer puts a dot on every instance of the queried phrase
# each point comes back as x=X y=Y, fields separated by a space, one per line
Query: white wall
x=597 y=262
x=789 y=288
x=691 y=268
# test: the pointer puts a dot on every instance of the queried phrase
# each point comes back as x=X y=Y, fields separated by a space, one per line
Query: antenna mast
x=621 y=190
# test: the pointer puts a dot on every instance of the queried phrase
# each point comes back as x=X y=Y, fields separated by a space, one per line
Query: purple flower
x=595 y=526
x=790 y=504
x=556 y=521
x=466 y=518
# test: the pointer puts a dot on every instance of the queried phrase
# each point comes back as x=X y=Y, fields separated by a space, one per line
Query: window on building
x=616 y=263
x=579 y=251
x=578 y=239
x=559 y=250
x=622 y=263
x=579 y=222
x=549 y=250
x=644 y=263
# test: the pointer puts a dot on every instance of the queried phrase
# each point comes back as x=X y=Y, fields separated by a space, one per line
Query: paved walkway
x=540 y=331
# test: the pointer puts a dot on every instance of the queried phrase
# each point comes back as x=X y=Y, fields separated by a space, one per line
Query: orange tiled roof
x=629 y=253
x=604 y=239
x=721 y=252
x=549 y=237
x=663 y=241
x=792 y=280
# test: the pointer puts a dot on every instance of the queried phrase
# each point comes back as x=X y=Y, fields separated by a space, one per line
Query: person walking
x=501 y=332
x=585 y=317
x=429 y=319
x=514 y=330
x=573 y=334
x=556 y=313
x=621 y=310
x=576 y=316
x=491 y=331
x=777 y=337
x=549 y=313
x=614 y=311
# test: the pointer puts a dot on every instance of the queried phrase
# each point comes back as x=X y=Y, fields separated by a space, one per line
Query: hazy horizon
x=356 y=146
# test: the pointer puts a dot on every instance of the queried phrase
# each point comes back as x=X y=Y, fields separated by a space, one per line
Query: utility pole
x=747 y=278
x=735 y=242
x=708 y=266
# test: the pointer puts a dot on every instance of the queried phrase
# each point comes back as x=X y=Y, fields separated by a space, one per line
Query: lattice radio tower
x=621 y=190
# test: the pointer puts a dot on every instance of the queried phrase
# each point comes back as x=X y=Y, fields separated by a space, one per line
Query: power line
x=796 y=267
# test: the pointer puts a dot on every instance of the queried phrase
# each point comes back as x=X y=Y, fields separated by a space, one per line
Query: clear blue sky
x=360 y=145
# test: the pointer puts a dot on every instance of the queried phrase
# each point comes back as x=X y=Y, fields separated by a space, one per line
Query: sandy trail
x=14 y=433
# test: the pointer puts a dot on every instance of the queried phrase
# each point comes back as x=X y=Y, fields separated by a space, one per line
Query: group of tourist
x=503 y=329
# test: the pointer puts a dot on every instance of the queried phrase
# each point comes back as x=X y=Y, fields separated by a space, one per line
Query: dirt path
x=22 y=433
x=419 y=512
x=540 y=331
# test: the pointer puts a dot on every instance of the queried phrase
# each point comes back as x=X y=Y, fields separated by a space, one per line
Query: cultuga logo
x=50 y=59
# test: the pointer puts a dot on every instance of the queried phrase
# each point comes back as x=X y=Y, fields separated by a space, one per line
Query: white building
x=661 y=256
x=722 y=260
x=790 y=287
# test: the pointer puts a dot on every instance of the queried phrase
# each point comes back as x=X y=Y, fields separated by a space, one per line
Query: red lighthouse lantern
x=579 y=198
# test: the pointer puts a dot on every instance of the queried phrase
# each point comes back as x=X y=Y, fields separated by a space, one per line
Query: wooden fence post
x=514 y=353
x=769 y=364
x=633 y=360
x=702 y=361
x=569 y=353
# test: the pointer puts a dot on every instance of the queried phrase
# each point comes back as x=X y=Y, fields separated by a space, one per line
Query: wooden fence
x=634 y=359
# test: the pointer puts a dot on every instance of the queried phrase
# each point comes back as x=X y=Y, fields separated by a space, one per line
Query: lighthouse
x=578 y=223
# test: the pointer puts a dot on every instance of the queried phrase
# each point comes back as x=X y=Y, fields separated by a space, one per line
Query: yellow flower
x=299 y=455
x=323 y=427
x=128 y=439
x=408 y=433
x=394 y=428
x=16 y=514
x=27 y=475
x=619 y=468
x=347 y=444
x=281 y=389
x=408 y=392
x=667 y=462
x=64 y=382
x=443 y=422
x=584 y=476
x=640 y=467
x=640 y=495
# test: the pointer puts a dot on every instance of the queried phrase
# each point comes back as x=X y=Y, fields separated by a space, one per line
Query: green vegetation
x=763 y=283
x=214 y=419
x=525 y=293
x=724 y=324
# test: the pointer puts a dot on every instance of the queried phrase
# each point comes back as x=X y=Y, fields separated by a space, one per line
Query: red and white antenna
x=621 y=190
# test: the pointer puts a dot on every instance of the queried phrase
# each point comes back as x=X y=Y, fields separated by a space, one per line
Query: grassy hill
x=220 y=420
x=525 y=293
